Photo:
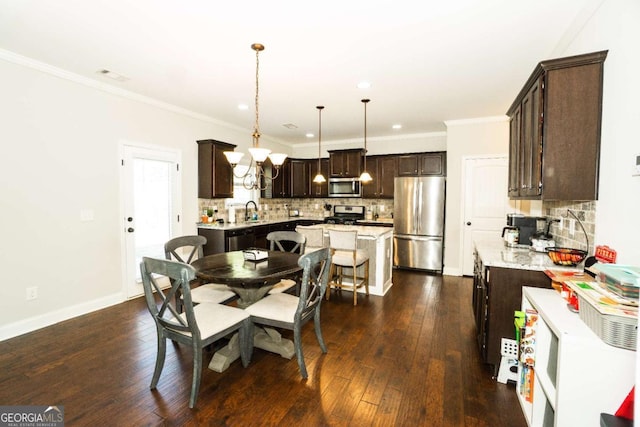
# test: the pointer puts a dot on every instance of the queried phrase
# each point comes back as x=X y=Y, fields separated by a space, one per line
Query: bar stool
x=345 y=254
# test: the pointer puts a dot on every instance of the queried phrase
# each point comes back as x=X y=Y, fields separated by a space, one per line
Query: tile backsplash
x=274 y=209
x=586 y=213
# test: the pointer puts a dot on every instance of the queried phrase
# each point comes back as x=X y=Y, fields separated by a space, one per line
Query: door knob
x=468 y=222
x=130 y=230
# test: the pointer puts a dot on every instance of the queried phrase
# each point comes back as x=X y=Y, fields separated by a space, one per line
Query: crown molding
x=478 y=120
x=104 y=87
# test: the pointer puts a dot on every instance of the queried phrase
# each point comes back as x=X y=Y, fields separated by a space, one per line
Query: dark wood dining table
x=250 y=280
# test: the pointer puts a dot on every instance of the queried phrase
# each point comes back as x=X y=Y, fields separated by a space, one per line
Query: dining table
x=251 y=280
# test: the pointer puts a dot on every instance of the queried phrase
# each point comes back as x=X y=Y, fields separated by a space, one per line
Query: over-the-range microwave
x=345 y=187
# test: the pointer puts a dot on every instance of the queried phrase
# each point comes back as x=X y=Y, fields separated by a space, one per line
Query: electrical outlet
x=32 y=293
x=381 y=208
x=572 y=227
x=561 y=224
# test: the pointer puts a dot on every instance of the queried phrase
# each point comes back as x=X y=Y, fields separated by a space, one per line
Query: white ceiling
x=428 y=61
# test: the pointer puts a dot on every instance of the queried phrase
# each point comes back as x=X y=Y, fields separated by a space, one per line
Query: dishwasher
x=237 y=240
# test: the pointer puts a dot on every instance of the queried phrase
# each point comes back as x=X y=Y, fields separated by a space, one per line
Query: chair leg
x=316 y=324
x=332 y=273
x=297 y=343
x=366 y=276
x=197 y=373
x=162 y=347
x=355 y=285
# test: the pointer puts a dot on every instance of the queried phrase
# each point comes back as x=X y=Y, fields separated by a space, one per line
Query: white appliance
x=418 y=222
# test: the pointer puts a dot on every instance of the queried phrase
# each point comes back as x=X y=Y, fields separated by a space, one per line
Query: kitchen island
x=376 y=240
x=500 y=273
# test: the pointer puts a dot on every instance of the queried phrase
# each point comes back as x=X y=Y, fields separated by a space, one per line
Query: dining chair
x=293 y=239
x=291 y=312
x=314 y=236
x=285 y=241
x=210 y=292
x=345 y=254
x=198 y=326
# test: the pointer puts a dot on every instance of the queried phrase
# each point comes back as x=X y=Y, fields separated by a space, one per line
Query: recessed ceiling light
x=243 y=107
x=397 y=126
x=112 y=75
x=364 y=85
x=290 y=126
x=309 y=135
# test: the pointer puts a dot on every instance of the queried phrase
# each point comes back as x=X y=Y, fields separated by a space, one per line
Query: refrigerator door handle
x=414 y=237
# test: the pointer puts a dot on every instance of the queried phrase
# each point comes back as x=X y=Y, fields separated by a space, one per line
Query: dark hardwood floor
x=407 y=359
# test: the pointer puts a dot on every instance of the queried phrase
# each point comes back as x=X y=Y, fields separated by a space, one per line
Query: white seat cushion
x=282 y=286
x=211 y=293
x=280 y=307
x=345 y=258
x=213 y=318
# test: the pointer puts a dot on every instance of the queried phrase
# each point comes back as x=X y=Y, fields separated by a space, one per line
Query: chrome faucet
x=246 y=209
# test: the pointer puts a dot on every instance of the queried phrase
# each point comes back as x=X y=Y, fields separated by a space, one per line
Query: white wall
x=487 y=136
x=614 y=27
x=60 y=141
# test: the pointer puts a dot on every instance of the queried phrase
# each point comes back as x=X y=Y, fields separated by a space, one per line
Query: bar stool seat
x=346 y=255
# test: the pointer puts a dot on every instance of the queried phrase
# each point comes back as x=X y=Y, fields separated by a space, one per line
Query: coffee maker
x=527 y=227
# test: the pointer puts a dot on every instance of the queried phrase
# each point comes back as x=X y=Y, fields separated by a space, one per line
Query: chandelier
x=365 y=177
x=256 y=178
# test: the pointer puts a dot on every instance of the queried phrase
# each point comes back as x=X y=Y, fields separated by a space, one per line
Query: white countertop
x=236 y=225
x=366 y=231
x=494 y=253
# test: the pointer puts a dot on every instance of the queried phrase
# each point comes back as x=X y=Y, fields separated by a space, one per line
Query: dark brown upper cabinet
x=345 y=163
x=383 y=172
x=299 y=178
x=554 y=131
x=318 y=190
x=215 y=175
x=421 y=164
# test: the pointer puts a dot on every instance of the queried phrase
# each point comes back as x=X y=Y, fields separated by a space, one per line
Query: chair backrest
x=314 y=235
x=277 y=237
x=343 y=240
x=315 y=277
x=165 y=314
x=195 y=243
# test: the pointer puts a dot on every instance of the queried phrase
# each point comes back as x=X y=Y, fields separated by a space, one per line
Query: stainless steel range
x=345 y=214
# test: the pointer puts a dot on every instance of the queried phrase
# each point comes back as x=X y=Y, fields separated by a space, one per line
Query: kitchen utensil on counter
x=511 y=235
x=542 y=240
x=567 y=257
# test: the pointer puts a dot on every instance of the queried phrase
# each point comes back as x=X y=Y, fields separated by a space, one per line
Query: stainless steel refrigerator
x=418 y=222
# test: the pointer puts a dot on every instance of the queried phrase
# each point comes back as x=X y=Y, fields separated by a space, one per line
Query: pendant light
x=365 y=177
x=319 y=178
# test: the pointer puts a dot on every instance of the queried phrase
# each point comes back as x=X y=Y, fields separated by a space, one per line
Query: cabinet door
x=215 y=176
x=299 y=178
x=370 y=190
x=387 y=172
x=432 y=164
x=408 y=165
x=279 y=186
x=514 y=152
x=352 y=163
x=318 y=190
x=336 y=160
x=530 y=144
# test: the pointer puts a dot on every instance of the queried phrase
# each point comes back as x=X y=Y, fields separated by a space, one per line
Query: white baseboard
x=37 y=322
x=452 y=271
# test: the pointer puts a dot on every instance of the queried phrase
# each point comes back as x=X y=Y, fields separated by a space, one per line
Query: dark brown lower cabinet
x=497 y=294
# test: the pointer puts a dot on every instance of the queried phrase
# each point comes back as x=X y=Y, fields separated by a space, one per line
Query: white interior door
x=486 y=203
x=151 y=207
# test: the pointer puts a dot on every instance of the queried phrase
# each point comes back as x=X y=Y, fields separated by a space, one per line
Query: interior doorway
x=151 y=207
x=486 y=203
